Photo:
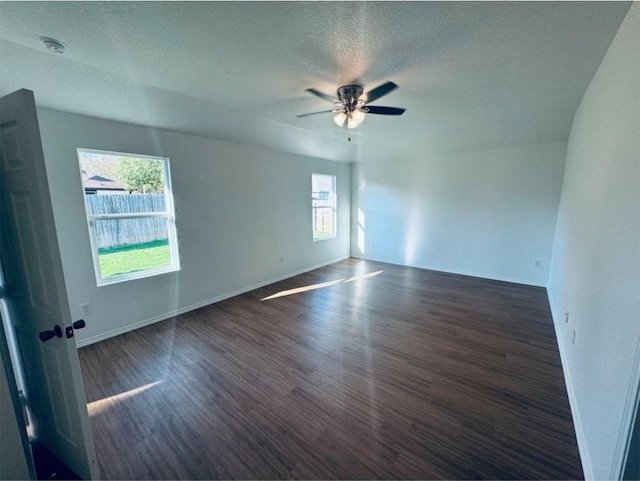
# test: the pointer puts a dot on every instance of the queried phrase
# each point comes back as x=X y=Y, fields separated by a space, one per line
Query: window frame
x=333 y=198
x=168 y=214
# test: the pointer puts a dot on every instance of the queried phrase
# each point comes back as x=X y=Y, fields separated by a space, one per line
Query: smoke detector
x=53 y=45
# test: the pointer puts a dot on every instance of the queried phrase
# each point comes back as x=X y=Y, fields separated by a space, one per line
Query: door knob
x=46 y=335
x=79 y=324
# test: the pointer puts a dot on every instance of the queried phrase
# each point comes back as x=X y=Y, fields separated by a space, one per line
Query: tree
x=98 y=164
x=143 y=175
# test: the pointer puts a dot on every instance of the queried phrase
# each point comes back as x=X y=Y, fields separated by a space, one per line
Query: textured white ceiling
x=472 y=75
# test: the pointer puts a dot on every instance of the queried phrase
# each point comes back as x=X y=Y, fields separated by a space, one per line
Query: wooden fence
x=323 y=220
x=125 y=203
x=122 y=232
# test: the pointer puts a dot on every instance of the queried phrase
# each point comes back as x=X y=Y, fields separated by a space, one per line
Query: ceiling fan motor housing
x=349 y=94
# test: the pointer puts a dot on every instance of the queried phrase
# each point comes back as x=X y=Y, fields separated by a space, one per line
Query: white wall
x=595 y=271
x=490 y=214
x=238 y=209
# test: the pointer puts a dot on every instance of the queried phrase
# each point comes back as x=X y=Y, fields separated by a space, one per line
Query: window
x=323 y=200
x=130 y=214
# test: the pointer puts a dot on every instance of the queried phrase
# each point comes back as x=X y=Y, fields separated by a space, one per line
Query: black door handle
x=46 y=335
x=79 y=324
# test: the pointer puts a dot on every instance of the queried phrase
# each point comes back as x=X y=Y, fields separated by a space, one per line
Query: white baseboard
x=583 y=449
x=182 y=310
x=449 y=271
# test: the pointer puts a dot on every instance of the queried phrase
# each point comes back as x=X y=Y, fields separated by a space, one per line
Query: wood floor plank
x=376 y=371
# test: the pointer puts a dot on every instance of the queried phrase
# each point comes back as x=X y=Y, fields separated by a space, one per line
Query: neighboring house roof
x=98 y=182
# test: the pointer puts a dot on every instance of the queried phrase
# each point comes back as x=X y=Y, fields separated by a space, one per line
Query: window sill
x=320 y=239
x=140 y=275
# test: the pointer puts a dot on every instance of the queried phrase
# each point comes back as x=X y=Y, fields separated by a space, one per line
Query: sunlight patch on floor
x=102 y=405
x=369 y=275
x=321 y=285
x=298 y=290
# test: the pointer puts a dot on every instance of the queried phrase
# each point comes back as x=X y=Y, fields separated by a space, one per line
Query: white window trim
x=169 y=214
x=334 y=210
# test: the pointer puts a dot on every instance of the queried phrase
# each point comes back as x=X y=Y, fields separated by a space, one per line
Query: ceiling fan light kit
x=340 y=118
x=350 y=109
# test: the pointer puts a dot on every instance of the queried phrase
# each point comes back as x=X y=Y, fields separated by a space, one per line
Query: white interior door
x=35 y=287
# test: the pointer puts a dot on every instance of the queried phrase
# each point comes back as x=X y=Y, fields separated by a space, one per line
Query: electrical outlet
x=537 y=263
x=282 y=259
x=85 y=309
x=566 y=317
x=573 y=337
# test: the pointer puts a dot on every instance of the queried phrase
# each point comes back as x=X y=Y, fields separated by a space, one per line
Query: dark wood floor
x=404 y=374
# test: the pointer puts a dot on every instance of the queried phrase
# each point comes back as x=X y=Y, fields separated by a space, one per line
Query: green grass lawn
x=120 y=260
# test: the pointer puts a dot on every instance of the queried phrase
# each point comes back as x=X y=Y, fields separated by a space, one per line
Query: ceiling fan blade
x=374 y=109
x=380 y=91
x=322 y=95
x=314 y=113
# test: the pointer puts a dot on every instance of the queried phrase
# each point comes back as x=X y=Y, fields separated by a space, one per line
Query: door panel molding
x=55 y=389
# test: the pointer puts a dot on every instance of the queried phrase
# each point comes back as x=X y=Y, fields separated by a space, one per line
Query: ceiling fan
x=351 y=109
